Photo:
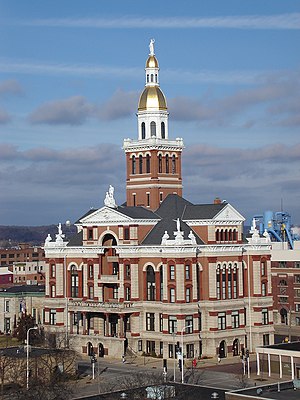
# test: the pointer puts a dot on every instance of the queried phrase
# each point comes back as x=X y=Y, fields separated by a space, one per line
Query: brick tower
x=153 y=162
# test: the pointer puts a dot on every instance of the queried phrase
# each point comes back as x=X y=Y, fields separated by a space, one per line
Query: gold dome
x=152 y=98
x=152 y=62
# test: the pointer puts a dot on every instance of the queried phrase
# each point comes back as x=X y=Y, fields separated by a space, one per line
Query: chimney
x=217 y=200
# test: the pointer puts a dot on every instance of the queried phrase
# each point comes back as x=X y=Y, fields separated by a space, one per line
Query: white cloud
x=281 y=21
x=10 y=86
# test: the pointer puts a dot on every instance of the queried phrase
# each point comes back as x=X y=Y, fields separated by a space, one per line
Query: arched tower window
x=140 y=164
x=74 y=282
x=173 y=164
x=163 y=130
x=153 y=128
x=143 y=127
x=160 y=164
x=148 y=164
x=133 y=165
x=150 y=283
x=167 y=163
x=152 y=77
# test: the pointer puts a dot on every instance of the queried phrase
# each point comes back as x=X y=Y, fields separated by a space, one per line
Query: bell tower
x=153 y=162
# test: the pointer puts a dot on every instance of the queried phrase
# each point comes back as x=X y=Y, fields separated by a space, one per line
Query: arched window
x=152 y=77
x=235 y=281
x=148 y=164
x=173 y=164
x=218 y=280
x=133 y=165
x=167 y=164
x=229 y=286
x=150 y=283
x=143 y=127
x=153 y=128
x=217 y=235
x=163 y=130
x=147 y=78
x=156 y=78
x=224 y=282
x=161 y=280
x=160 y=164
x=74 y=281
x=140 y=164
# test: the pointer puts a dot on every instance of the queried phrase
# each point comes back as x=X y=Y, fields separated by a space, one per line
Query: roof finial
x=151 y=47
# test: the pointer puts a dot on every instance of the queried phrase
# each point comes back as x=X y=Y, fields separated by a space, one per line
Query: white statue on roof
x=151 y=47
x=109 y=200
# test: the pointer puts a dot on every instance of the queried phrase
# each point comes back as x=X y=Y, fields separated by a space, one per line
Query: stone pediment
x=229 y=213
x=105 y=215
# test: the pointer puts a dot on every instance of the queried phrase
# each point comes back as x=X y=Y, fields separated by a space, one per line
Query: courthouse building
x=157 y=271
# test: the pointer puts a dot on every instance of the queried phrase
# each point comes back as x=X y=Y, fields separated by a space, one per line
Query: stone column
x=121 y=326
x=106 y=331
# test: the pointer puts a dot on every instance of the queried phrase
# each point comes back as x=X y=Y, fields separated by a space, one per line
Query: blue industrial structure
x=278 y=225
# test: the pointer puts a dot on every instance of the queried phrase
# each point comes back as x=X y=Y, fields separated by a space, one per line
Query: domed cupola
x=152 y=106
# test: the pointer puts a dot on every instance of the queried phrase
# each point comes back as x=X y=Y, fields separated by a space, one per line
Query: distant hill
x=11 y=236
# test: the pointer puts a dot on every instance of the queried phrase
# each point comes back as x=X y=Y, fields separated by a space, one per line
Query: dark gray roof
x=167 y=224
x=137 y=212
x=172 y=207
x=25 y=289
x=91 y=211
x=76 y=240
x=202 y=211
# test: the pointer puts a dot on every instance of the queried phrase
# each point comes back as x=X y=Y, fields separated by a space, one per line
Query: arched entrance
x=101 y=350
x=90 y=350
x=236 y=347
x=223 y=349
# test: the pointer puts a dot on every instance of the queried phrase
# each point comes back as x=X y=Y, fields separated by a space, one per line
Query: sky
x=71 y=73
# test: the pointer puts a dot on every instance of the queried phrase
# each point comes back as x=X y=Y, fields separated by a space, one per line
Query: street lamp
x=27 y=355
x=183 y=329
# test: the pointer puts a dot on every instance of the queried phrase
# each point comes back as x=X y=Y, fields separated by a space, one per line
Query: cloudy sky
x=70 y=77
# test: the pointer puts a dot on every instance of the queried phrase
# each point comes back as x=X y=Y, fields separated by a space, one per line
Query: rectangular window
x=297 y=278
x=297 y=264
x=265 y=316
x=264 y=289
x=127 y=293
x=218 y=287
x=171 y=350
x=90 y=292
x=127 y=271
x=115 y=292
x=161 y=323
x=190 y=351
x=161 y=348
x=222 y=321
x=53 y=291
x=297 y=321
x=297 y=293
x=160 y=197
x=126 y=233
x=297 y=307
x=150 y=322
x=189 y=325
x=90 y=234
x=6 y=305
x=266 y=339
x=187 y=295
x=172 y=322
x=172 y=295
x=172 y=272
x=7 y=325
x=282 y=264
x=150 y=347
x=52 y=268
x=235 y=319
x=187 y=272
x=52 y=316
x=263 y=268
x=91 y=271
x=134 y=199
x=148 y=199
x=140 y=345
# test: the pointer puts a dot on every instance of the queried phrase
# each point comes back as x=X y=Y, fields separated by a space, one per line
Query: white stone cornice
x=158 y=251
x=202 y=222
x=153 y=143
